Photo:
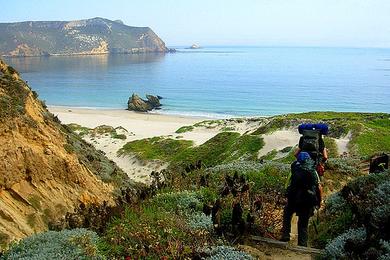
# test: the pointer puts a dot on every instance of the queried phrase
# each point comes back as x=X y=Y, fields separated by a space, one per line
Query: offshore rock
x=136 y=103
x=195 y=46
x=154 y=101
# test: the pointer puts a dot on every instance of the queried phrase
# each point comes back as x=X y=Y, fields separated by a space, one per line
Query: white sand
x=278 y=140
x=342 y=143
x=139 y=126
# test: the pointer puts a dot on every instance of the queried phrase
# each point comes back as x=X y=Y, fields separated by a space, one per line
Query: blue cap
x=303 y=156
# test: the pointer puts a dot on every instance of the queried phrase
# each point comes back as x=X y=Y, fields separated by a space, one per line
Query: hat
x=303 y=156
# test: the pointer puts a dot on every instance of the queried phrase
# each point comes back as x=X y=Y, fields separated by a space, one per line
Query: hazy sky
x=226 y=22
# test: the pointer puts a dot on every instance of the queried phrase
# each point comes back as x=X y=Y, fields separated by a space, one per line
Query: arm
x=325 y=155
x=323 y=150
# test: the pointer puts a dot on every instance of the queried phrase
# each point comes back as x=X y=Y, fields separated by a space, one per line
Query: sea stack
x=195 y=46
x=136 y=103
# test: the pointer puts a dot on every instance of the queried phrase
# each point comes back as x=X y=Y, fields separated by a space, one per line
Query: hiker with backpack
x=303 y=196
x=312 y=142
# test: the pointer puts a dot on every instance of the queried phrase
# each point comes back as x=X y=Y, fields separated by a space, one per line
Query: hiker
x=312 y=142
x=303 y=195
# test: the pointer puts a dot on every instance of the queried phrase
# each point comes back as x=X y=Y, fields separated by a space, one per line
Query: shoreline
x=139 y=125
x=161 y=112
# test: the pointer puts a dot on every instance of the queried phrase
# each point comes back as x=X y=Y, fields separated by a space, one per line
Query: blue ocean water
x=219 y=81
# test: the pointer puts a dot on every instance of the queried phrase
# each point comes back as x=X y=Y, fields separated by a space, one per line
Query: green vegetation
x=99 y=130
x=274 y=124
x=331 y=145
x=363 y=202
x=32 y=219
x=156 y=148
x=95 y=160
x=13 y=96
x=170 y=222
x=373 y=138
x=270 y=155
x=151 y=230
x=35 y=202
x=227 y=129
x=4 y=240
x=209 y=123
x=369 y=131
x=78 y=129
x=224 y=147
x=67 y=244
x=184 y=129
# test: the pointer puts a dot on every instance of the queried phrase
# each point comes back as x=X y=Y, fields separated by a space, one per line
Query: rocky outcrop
x=138 y=104
x=195 y=46
x=45 y=170
x=91 y=36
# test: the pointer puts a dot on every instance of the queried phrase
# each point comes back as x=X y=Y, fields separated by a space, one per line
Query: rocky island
x=136 y=103
x=195 y=46
x=81 y=37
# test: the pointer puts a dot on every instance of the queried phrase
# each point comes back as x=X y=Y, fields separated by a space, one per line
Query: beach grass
x=224 y=147
x=156 y=148
x=184 y=129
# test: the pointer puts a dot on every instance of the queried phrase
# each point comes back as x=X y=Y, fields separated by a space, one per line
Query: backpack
x=301 y=193
x=311 y=136
x=311 y=141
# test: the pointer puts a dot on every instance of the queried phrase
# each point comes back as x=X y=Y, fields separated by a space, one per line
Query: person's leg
x=287 y=215
x=303 y=222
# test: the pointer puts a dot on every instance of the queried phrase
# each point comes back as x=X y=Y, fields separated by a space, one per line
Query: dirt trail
x=269 y=252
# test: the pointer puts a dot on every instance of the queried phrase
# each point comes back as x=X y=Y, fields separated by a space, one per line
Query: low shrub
x=344 y=166
x=226 y=252
x=199 y=221
x=66 y=244
x=336 y=248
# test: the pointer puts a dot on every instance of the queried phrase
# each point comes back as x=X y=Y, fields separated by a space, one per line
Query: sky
x=338 y=23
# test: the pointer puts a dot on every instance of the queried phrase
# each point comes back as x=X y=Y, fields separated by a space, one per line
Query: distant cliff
x=91 y=36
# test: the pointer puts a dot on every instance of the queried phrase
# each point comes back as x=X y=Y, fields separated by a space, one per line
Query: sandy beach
x=136 y=126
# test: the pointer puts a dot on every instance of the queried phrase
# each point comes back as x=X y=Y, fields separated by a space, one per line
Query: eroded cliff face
x=45 y=171
x=91 y=36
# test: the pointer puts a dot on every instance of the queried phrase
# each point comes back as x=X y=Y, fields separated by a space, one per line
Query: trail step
x=287 y=246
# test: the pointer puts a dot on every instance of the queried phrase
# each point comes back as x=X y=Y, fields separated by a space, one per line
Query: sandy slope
x=278 y=140
x=139 y=126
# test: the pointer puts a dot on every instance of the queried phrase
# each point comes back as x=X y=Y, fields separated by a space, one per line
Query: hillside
x=223 y=189
x=90 y=36
x=239 y=171
x=45 y=170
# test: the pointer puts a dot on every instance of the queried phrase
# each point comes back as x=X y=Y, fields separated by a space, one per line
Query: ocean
x=219 y=81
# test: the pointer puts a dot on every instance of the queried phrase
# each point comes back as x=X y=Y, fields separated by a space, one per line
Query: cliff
x=45 y=169
x=90 y=36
